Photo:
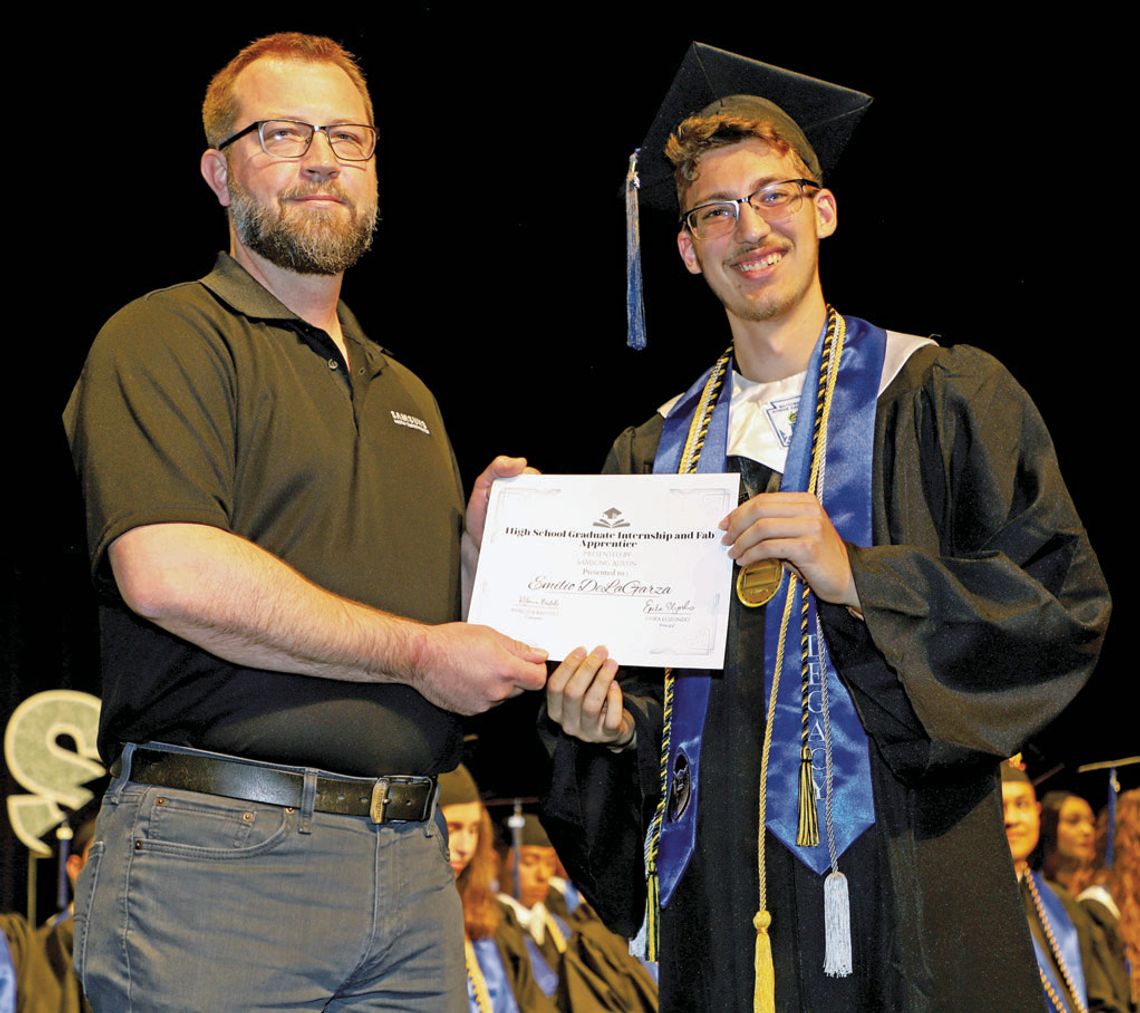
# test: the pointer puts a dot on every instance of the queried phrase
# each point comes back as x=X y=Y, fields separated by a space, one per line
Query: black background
x=981 y=200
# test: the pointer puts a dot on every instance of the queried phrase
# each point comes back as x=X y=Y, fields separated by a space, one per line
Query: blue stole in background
x=847 y=500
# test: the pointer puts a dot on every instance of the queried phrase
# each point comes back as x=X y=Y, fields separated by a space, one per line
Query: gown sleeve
x=984 y=604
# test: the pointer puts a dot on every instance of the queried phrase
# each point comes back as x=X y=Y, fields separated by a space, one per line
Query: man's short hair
x=220 y=106
x=697 y=135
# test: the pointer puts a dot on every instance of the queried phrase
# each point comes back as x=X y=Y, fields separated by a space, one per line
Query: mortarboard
x=457 y=787
x=815 y=117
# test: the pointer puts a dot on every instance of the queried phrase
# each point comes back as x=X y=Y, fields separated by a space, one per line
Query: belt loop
x=433 y=810
x=123 y=775
x=308 y=800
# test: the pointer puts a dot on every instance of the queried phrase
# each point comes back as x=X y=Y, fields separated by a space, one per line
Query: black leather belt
x=396 y=797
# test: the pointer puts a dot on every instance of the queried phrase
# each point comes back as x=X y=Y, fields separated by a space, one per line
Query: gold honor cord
x=475 y=976
x=764 y=989
x=764 y=994
x=1055 y=949
x=690 y=456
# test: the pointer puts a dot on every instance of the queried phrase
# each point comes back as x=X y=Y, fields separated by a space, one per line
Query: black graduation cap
x=816 y=117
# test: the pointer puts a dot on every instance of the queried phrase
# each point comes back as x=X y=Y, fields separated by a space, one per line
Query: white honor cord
x=837 y=961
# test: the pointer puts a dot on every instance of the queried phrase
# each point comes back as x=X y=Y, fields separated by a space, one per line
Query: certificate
x=634 y=562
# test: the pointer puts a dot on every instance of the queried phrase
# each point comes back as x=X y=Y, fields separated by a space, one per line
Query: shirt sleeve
x=151 y=423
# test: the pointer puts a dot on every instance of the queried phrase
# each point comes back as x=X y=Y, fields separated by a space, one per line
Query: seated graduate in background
x=1113 y=899
x=1072 y=975
x=1068 y=840
x=595 y=970
x=500 y=978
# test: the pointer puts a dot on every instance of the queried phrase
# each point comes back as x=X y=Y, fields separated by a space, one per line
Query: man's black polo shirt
x=211 y=403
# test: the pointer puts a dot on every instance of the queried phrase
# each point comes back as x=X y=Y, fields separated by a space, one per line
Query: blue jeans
x=194 y=902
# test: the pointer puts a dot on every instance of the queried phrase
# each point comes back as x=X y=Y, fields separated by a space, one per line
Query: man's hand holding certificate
x=632 y=561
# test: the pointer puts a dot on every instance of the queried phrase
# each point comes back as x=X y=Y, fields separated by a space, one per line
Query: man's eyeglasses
x=772 y=202
x=350 y=142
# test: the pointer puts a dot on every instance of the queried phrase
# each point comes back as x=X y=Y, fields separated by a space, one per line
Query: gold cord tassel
x=764 y=995
x=807 y=834
x=652 y=915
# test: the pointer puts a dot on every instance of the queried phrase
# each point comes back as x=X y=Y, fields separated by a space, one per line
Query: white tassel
x=837 y=926
x=639 y=944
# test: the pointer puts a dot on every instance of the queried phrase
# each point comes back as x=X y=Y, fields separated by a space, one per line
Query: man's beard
x=298 y=238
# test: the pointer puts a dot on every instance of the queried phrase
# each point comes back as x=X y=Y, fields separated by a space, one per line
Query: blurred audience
x=40 y=958
x=595 y=970
x=1113 y=899
x=1070 y=965
x=500 y=977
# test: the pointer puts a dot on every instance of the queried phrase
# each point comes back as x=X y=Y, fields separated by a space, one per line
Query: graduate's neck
x=1021 y=868
x=782 y=346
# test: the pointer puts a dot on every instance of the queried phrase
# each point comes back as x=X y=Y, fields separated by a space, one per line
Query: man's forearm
x=234 y=599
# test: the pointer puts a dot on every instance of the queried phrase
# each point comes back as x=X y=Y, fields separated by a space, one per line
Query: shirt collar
x=236 y=287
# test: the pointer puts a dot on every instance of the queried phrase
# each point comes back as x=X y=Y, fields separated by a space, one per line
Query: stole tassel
x=807 y=834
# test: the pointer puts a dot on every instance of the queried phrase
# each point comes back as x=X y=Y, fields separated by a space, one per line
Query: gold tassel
x=807 y=834
x=764 y=996
x=652 y=915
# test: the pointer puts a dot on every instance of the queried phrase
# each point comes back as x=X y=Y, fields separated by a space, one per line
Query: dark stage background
x=980 y=200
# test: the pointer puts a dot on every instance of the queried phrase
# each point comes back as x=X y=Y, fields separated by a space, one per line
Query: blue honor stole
x=847 y=500
x=1068 y=944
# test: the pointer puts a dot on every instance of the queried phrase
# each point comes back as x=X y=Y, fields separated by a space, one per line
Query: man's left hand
x=793 y=527
x=500 y=467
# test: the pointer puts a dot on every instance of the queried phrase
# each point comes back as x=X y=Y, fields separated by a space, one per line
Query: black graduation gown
x=984 y=609
x=511 y=944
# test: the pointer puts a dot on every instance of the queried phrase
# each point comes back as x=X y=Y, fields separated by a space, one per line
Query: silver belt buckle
x=379 y=800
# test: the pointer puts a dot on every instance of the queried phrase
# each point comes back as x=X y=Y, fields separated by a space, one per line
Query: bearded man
x=276 y=526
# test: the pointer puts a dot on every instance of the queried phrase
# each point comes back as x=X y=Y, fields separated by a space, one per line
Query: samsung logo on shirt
x=402 y=419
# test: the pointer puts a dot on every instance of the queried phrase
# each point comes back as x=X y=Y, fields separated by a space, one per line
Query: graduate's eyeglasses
x=773 y=202
x=350 y=142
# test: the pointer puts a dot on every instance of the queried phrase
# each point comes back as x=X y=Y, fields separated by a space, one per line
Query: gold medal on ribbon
x=757 y=583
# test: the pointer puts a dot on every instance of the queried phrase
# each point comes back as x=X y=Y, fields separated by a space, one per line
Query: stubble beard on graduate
x=300 y=238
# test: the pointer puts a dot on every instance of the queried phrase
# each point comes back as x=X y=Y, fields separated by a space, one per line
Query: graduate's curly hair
x=476 y=884
x=697 y=135
x=220 y=106
x=1123 y=879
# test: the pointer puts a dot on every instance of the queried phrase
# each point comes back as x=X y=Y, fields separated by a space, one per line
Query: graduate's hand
x=583 y=697
x=793 y=527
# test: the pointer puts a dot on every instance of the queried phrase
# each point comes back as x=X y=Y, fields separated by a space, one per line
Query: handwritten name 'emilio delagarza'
x=588 y=585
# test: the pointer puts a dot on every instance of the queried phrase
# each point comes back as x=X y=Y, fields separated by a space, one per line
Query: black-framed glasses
x=773 y=202
x=350 y=142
